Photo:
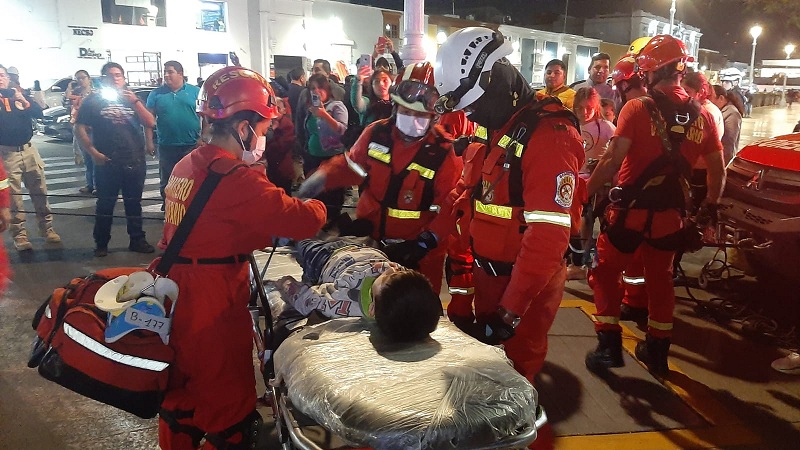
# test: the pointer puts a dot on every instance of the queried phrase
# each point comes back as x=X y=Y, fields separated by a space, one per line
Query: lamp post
x=789 y=49
x=755 y=31
x=671 y=17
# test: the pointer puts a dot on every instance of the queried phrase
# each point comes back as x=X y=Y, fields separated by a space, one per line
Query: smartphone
x=315 y=100
x=364 y=60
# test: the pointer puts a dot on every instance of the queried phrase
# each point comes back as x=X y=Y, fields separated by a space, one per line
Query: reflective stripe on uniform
x=635 y=281
x=4 y=184
x=424 y=172
x=481 y=132
x=461 y=291
x=506 y=140
x=355 y=167
x=100 y=349
x=384 y=157
x=402 y=213
x=555 y=218
x=610 y=320
x=503 y=212
x=663 y=326
x=434 y=208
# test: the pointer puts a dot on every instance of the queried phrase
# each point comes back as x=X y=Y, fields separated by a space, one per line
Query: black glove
x=461 y=144
x=409 y=253
x=707 y=215
x=494 y=331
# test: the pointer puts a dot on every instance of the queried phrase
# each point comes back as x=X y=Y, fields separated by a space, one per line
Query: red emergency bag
x=70 y=349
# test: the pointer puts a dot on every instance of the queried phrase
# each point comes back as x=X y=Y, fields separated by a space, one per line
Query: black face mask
x=506 y=92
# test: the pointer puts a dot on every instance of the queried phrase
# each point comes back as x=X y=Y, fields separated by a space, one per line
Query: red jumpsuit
x=522 y=215
x=403 y=190
x=212 y=383
x=635 y=123
x=458 y=265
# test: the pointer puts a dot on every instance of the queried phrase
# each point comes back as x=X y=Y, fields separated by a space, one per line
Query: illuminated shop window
x=212 y=16
x=135 y=12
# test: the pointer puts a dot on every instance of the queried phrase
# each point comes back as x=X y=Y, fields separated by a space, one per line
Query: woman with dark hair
x=377 y=104
x=730 y=105
x=325 y=125
x=76 y=92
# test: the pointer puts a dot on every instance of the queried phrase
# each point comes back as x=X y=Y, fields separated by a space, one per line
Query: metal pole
x=753 y=62
x=672 y=17
x=566 y=9
x=789 y=49
x=413 y=31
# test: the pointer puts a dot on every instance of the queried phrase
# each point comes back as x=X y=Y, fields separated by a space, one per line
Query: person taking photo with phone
x=110 y=127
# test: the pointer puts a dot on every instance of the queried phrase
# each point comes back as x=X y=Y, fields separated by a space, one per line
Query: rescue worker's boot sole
x=654 y=352
x=608 y=353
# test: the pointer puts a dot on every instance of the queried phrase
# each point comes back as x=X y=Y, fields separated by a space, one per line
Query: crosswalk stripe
x=73 y=170
x=72 y=190
x=150 y=197
x=67 y=180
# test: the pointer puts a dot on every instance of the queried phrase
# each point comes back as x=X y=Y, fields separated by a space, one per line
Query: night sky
x=725 y=23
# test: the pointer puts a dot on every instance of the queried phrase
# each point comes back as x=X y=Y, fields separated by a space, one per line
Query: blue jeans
x=110 y=179
x=313 y=254
x=88 y=162
x=168 y=156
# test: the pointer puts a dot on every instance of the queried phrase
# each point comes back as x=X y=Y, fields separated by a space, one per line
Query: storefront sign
x=88 y=53
x=82 y=31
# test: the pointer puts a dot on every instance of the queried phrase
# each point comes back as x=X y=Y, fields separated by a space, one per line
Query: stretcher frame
x=288 y=428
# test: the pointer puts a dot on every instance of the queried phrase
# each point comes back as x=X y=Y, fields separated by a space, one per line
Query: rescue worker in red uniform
x=629 y=85
x=657 y=140
x=407 y=168
x=519 y=181
x=211 y=391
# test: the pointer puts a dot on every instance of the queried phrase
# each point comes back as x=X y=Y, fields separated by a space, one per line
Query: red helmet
x=624 y=69
x=233 y=89
x=660 y=51
x=414 y=88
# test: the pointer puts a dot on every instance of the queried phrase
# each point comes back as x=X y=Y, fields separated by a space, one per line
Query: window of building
x=212 y=16
x=391 y=30
x=135 y=12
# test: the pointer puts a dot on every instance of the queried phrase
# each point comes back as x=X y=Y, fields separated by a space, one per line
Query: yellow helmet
x=637 y=45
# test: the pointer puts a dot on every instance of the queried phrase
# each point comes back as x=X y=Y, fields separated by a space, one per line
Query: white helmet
x=730 y=74
x=460 y=61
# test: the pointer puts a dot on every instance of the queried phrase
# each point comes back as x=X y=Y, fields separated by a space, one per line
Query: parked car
x=55 y=120
x=54 y=95
x=761 y=202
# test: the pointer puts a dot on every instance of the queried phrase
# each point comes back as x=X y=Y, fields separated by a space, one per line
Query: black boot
x=608 y=353
x=653 y=353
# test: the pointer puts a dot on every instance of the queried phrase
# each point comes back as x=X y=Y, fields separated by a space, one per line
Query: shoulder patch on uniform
x=565 y=189
x=378 y=147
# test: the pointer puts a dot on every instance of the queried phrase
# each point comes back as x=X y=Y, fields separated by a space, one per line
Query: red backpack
x=70 y=349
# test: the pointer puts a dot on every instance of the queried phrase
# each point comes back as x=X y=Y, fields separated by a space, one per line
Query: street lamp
x=755 y=31
x=789 y=49
x=671 y=17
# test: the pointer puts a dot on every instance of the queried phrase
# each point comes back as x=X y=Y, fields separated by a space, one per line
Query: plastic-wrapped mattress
x=449 y=391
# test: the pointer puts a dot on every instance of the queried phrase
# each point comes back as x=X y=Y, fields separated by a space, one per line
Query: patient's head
x=406 y=308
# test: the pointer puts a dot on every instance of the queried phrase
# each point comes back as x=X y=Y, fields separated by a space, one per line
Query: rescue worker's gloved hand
x=409 y=253
x=495 y=330
x=313 y=186
x=461 y=144
x=707 y=215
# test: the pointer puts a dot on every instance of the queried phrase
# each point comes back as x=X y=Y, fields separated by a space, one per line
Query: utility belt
x=233 y=259
x=15 y=148
x=494 y=268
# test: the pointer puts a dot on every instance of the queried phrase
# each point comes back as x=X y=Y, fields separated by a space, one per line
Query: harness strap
x=171 y=418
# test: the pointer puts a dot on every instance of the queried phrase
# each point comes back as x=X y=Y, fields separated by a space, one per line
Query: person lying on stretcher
x=345 y=277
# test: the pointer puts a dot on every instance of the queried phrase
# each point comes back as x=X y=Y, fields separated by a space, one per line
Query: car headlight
x=63 y=119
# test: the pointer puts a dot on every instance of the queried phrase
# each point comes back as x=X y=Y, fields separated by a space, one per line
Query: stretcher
x=448 y=392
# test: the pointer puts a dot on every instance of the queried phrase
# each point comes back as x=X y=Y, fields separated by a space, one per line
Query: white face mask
x=412 y=126
x=251 y=156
